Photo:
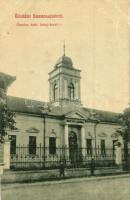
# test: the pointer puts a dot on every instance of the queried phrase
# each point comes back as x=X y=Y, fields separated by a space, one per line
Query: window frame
x=89 y=147
x=32 y=147
x=103 y=147
x=55 y=92
x=71 y=91
x=52 y=145
x=13 y=144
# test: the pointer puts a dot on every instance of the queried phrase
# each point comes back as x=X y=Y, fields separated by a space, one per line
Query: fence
x=25 y=157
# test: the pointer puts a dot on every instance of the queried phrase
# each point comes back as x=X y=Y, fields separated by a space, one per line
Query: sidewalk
x=12 y=177
x=64 y=181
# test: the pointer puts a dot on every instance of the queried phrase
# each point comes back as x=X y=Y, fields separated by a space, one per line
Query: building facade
x=63 y=127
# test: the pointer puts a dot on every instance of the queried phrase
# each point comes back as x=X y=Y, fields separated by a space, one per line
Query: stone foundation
x=42 y=175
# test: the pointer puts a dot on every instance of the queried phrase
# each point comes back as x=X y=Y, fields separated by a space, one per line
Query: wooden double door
x=74 y=150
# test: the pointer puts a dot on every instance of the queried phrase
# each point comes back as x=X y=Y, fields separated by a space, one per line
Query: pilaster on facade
x=66 y=135
x=66 y=141
x=83 y=141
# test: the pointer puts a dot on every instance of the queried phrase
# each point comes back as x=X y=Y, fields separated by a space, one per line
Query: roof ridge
x=98 y=110
x=23 y=98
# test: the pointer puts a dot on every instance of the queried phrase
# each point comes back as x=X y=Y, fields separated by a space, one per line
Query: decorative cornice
x=61 y=117
x=115 y=135
x=70 y=75
x=102 y=134
x=32 y=130
x=13 y=130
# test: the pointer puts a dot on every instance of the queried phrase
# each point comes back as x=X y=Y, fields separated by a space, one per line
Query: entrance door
x=73 y=147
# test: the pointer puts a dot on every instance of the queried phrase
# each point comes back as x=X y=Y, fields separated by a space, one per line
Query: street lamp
x=95 y=134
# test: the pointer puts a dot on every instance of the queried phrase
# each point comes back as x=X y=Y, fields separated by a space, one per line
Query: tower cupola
x=64 y=82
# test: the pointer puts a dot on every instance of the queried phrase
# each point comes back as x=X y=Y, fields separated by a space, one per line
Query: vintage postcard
x=64 y=100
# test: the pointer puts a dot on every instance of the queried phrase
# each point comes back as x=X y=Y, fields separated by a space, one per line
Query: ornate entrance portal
x=73 y=148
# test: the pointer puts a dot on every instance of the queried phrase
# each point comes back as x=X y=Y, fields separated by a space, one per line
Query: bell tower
x=64 y=82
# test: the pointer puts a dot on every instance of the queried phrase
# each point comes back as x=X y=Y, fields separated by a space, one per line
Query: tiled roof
x=18 y=104
x=23 y=105
x=105 y=116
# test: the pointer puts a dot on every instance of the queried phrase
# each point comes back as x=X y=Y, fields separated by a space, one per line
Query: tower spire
x=64 y=48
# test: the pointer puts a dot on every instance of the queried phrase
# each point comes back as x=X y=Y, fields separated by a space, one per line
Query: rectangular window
x=52 y=145
x=13 y=144
x=32 y=144
x=89 y=146
x=103 y=148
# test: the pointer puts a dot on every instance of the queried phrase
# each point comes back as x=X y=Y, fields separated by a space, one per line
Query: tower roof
x=64 y=61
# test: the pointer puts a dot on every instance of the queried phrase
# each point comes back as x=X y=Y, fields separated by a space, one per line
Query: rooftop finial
x=64 y=48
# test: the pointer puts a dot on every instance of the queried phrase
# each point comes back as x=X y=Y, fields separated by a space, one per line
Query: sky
x=96 y=35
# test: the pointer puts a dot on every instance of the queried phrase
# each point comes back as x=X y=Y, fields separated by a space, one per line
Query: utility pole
x=96 y=121
x=44 y=111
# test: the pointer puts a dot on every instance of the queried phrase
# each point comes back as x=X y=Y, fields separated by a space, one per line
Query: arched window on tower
x=55 y=91
x=71 y=91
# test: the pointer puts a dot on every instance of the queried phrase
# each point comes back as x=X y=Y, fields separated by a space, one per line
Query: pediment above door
x=76 y=115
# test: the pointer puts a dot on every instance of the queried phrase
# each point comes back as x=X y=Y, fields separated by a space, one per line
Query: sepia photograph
x=64 y=100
